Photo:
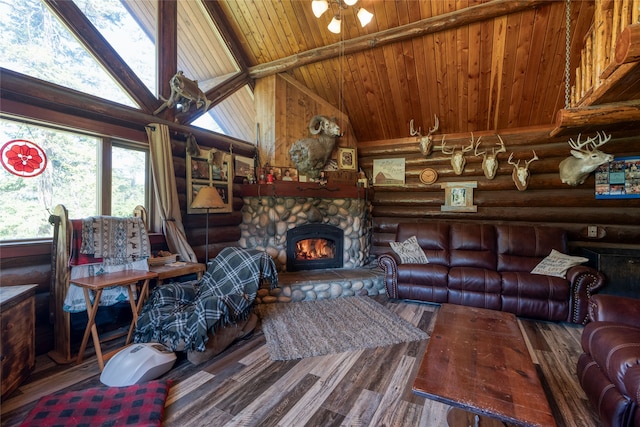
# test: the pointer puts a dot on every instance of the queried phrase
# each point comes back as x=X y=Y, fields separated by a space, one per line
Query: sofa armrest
x=632 y=383
x=584 y=281
x=613 y=308
x=389 y=263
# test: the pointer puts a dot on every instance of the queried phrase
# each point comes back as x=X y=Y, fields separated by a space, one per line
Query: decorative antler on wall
x=458 y=160
x=489 y=161
x=586 y=158
x=426 y=142
x=520 y=174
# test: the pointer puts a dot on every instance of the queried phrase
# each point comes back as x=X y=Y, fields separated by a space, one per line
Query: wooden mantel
x=306 y=189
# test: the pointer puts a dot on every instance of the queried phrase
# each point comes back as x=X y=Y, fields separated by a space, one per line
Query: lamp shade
x=319 y=7
x=207 y=198
x=334 y=25
x=350 y=2
x=364 y=16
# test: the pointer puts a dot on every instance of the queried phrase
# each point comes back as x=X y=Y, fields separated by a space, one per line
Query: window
x=73 y=178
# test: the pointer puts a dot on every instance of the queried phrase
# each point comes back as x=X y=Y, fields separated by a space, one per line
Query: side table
x=17 y=340
x=169 y=271
x=98 y=284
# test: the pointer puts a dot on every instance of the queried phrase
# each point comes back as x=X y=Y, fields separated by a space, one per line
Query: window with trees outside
x=73 y=176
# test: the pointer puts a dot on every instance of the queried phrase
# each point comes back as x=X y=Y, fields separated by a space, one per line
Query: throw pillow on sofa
x=410 y=251
x=557 y=264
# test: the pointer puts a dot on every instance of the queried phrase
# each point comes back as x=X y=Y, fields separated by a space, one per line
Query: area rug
x=137 y=405
x=314 y=328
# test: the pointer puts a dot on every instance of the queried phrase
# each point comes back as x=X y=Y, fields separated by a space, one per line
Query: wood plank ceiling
x=478 y=65
x=497 y=73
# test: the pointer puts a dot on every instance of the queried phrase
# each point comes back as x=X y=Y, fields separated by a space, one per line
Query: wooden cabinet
x=17 y=335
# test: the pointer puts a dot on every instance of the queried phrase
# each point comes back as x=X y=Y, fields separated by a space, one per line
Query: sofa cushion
x=409 y=251
x=521 y=248
x=535 y=296
x=475 y=287
x=556 y=264
x=473 y=245
x=433 y=238
x=614 y=347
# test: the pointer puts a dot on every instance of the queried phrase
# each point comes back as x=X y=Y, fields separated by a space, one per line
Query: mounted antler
x=458 y=161
x=586 y=158
x=520 y=175
x=489 y=161
x=426 y=142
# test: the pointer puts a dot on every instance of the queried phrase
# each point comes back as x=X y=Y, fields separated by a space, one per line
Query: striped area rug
x=314 y=328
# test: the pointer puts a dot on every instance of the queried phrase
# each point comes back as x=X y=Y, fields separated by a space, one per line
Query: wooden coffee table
x=477 y=360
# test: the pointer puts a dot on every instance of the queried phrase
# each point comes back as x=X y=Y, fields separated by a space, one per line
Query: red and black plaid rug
x=136 y=405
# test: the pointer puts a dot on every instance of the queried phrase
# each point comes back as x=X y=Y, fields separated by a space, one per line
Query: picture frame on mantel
x=210 y=168
x=458 y=196
x=347 y=159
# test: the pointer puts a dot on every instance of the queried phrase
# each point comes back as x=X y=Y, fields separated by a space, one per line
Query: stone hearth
x=324 y=284
x=269 y=211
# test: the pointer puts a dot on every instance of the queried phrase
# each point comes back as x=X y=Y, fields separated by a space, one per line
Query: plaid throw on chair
x=183 y=314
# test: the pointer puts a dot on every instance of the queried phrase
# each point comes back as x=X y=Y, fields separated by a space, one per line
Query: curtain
x=164 y=185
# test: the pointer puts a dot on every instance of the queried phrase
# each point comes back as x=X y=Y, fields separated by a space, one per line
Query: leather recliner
x=609 y=368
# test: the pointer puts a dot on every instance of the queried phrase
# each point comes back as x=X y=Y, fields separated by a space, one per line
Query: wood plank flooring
x=243 y=387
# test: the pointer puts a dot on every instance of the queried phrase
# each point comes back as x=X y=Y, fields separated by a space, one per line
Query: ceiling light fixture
x=319 y=7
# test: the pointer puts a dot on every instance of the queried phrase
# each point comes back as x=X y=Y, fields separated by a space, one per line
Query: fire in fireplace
x=314 y=246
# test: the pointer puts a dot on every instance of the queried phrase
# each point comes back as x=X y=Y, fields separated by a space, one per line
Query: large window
x=73 y=177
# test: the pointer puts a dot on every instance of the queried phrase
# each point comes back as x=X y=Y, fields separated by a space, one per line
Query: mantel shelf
x=306 y=189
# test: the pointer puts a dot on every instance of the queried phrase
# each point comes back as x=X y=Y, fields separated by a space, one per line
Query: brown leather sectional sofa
x=609 y=368
x=484 y=265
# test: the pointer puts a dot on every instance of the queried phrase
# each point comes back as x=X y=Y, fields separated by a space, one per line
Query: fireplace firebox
x=314 y=246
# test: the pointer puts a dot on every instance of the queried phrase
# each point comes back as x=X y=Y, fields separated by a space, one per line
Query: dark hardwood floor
x=243 y=387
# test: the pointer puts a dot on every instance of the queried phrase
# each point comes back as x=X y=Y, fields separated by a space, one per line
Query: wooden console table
x=477 y=360
x=98 y=284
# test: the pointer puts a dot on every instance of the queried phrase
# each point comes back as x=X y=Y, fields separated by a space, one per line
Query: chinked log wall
x=547 y=200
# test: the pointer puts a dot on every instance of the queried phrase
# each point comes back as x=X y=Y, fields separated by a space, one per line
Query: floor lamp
x=207 y=198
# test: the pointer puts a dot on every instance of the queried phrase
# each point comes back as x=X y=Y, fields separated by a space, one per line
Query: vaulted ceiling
x=477 y=65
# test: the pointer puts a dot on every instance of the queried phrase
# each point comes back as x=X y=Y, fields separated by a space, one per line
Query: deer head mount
x=586 y=158
x=426 y=141
x=489 y=160
x=520 y=174
x=458 y=161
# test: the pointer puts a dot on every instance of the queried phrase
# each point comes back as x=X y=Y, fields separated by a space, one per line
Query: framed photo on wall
x=458 y=196
x=211 y=168
x=388 y=171
x=347 y=158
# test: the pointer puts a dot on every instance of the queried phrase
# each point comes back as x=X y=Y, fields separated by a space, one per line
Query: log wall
x=547 y=201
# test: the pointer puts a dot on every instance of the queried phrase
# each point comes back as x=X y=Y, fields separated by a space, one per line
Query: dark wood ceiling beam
x=31 y=91
x=95 y=43
x=225 y=29
x=423 y=27
x=167 y=49
x=228 y=86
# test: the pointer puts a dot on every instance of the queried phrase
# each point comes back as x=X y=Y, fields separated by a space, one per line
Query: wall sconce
x=319 y=7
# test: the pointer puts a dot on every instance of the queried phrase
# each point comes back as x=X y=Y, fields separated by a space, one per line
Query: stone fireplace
x=314 y=246
x=274 y=214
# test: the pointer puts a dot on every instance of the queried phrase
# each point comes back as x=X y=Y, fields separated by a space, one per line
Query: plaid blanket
x=185 y=313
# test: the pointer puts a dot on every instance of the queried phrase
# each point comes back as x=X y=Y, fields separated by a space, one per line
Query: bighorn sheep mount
x=520 y=174
x=426 y=142
x=311 y=154
x=184 y=91
x=458 y=161
x=585 y=159
x=489 y=161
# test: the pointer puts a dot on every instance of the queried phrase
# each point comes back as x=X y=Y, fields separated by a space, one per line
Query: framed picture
x=211 y=168
x=283 y=173
x=347 y=158
x=388 y=171
x=243 y=166
x=618 y=179
x=458 y=196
